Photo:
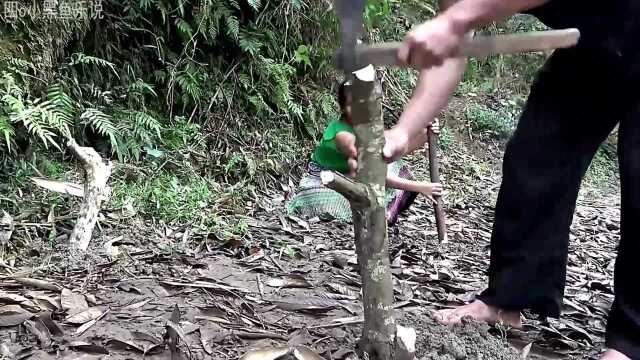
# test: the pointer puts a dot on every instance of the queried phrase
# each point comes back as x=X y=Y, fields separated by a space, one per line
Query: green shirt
x=326 y=154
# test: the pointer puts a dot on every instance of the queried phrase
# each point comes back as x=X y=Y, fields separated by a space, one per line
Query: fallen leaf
x=266 y=354
x=37 y=283
x=137 y=305
x=254 y=257
x=37 y=328
x=46 y=302
x=124 y=286
x=88 y=347
x=289 y=281
x=344 y=290
x=84 y=316
x=124 y=345
x=137 y=335
x=257 y=335
x=7 y=320
x=305 y=304
x=188 y=327
x=305 y=353
x=45 y=318
x=154 y=349
x=62 y=187
x=72 y=303
x=9 y=298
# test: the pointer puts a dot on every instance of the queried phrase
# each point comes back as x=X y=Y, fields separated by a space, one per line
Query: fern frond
x=184 y=27
x=233 y=26
x=235 y=4
x=142 y=87
x=6 y=132
x=244 y=80
x=80 y=58
x=101 y=123
x=64 y=107
x=146 y=122
x=254 y=4
x=39 y=118
x=249 y=44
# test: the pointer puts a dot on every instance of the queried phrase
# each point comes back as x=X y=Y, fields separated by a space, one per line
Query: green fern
x=184 y=27
x=100 y=123
x=64 y=107
x=38 y=118
x=146 y=123
x=255 y=4
x=6 y=132
x=141 y=87
x=249 y=44
x=80 y=58
x=190 y=81
x=233 y=26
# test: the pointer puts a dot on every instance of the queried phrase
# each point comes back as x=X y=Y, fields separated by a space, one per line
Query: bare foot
x=614 y=355
x=479 y=311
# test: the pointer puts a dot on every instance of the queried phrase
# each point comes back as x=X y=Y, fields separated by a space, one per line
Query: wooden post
x=367 y=199
x=434 y=172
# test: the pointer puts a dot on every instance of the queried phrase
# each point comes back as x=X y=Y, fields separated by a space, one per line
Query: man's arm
x=438 y=39
x=433 y=91
x=435 y=87
x=469 y=14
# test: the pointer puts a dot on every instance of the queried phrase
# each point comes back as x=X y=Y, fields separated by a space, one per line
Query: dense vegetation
x=191 y=97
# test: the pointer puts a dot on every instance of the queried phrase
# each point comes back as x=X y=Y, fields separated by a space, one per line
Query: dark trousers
x=576 y=101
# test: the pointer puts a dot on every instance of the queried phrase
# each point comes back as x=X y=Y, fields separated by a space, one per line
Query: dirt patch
x=470 y=341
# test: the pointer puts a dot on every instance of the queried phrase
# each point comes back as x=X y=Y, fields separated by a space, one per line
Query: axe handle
x=434 y=171
x=386 y=54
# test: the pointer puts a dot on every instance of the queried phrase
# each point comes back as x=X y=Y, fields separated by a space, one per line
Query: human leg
x=623 y=327
x=566 y=117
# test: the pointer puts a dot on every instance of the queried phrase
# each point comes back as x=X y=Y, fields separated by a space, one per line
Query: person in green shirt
x=312 y=198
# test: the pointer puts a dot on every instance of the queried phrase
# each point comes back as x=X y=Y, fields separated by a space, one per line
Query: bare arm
x=465 y=15
x=396 y=182
x=425 y=188
x=435 y=87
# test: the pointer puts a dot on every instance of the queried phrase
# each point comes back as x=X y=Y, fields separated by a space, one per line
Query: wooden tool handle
x=434 y=171
x=386 y=54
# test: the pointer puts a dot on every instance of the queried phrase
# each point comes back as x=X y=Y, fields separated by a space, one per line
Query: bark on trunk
x=95 y=191
x=434 y=171
x=381 y=339
x=370 y=223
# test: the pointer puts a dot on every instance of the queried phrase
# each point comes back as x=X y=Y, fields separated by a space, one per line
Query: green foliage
x=604 y=167
x=445 y=139
x=488 y=122
x=167 y=197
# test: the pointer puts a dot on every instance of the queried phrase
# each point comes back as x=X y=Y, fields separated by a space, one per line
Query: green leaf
x=301 y=56
x=233 y=27
x=154 y=152
x=255 y=4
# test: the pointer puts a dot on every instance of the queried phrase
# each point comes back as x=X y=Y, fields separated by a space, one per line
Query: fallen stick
x=96 y=174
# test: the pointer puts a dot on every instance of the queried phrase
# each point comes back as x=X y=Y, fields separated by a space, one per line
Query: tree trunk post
x=96 y=174
x=367 y=198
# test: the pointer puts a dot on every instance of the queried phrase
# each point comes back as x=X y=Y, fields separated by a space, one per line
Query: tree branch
x=355 y=192
x=95 y=192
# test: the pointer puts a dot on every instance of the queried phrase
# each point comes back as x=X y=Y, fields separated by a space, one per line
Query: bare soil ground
x=151 y=291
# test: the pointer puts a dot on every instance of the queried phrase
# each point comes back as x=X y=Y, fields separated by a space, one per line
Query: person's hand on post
x=430 y=43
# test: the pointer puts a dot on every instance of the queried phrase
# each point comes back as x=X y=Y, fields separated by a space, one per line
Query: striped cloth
x=312 y=198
